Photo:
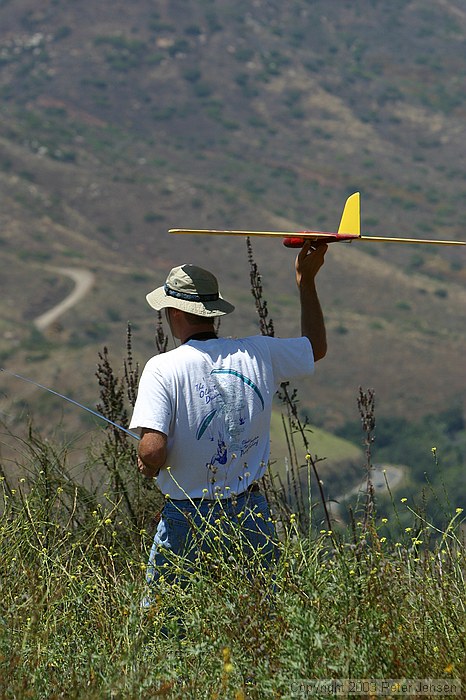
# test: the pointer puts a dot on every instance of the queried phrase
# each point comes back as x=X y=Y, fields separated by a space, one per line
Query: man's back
x=213 y=399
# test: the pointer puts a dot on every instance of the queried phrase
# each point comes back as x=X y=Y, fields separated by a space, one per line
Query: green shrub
x=73 y=578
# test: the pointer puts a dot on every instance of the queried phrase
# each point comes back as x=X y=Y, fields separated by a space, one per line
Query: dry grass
x=377 y=603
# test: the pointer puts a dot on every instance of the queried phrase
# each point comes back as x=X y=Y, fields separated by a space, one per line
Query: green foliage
x=193 y=30
x=62 y=32
x=213 y=23
x=178 y=47
x=39 y=255
x=113 y=314
x=244 y=54
x=158 y=25
x=73 y=578
x=192 y=75
x=123 y=53
x=433 y=451
x=416 y=261
x=202 y=89
x=37 y=342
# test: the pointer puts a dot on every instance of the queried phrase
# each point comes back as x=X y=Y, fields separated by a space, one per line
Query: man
x=204 y=408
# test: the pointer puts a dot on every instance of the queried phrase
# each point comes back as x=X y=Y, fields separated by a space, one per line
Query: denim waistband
x=249 y=501
x=253 y=488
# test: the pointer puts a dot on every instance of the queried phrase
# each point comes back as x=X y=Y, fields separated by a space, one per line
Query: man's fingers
x=322 y=246
x=304 y=250
x=310 y=247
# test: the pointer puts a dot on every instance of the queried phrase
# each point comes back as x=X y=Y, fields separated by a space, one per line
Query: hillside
x=121 y=120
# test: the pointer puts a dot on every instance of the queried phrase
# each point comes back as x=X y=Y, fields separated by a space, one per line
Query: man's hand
x=309 y=261
x=146 y=471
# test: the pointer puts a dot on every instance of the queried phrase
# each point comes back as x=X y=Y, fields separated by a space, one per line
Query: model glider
x=349 y=230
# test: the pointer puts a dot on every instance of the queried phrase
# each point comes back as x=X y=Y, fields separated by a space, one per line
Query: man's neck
x=201 y=335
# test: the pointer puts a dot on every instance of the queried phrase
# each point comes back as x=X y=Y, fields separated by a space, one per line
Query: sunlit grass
x=366 y=604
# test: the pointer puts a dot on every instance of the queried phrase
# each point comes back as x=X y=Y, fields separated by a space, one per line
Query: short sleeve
x=153 y=407
x=291 y=358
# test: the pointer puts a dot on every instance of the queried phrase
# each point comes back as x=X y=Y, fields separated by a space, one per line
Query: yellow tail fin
x=351 y=217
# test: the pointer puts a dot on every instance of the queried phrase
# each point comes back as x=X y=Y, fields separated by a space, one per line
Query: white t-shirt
x=213 y=400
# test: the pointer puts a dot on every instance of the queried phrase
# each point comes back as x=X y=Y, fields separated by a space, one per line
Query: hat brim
x=159 y=300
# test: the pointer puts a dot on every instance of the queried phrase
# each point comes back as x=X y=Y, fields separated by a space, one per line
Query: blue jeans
x=188 y=528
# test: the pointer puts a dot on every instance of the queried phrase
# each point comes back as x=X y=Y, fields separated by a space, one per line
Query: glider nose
x=293 y=242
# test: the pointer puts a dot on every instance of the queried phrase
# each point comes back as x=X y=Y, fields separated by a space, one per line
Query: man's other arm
x=152 y=452
x=308 y=262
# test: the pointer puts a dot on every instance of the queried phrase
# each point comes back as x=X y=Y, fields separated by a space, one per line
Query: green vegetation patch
x=322 y=443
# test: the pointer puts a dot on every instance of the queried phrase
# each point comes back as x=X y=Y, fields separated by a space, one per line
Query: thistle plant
x=265 y=323
x=161 y=338
x=366 y=405
x=295 y=495
x=138 y=496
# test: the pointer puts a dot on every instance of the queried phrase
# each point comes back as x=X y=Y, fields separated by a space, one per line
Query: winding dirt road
x=384 y=477
x=83 y=279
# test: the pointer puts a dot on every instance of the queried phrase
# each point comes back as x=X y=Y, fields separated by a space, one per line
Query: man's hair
x=195 y=320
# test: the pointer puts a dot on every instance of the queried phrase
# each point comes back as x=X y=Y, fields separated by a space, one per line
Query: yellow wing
x=348 y=230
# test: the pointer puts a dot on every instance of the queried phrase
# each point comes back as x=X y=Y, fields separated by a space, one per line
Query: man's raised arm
x=308 y=263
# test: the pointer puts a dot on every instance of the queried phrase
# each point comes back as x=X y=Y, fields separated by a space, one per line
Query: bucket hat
x=191 y=289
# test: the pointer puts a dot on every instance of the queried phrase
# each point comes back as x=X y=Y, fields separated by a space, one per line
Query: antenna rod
x=75 y=403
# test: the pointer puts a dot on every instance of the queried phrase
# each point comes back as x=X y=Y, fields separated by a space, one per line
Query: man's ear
x=175 y=313
x=177 y=323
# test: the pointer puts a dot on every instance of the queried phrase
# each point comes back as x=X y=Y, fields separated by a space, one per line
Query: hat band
x=189 y=297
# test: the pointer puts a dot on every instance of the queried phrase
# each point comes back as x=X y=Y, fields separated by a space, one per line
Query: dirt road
x=84 y=279
x=384 y=477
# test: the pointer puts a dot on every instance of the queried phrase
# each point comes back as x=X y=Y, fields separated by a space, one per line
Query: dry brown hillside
x=120 y=120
